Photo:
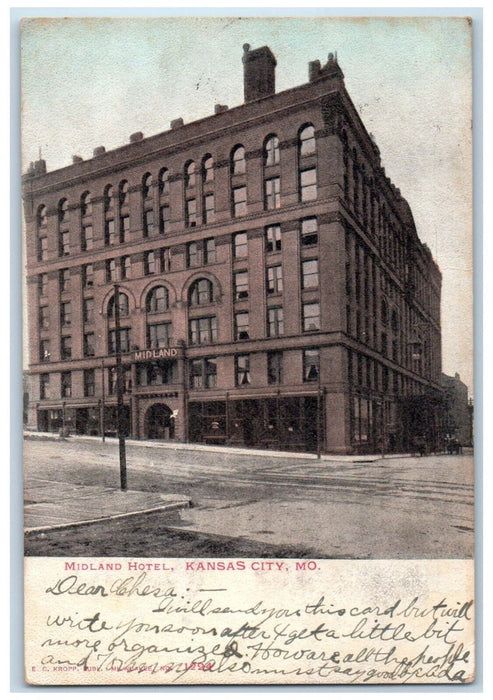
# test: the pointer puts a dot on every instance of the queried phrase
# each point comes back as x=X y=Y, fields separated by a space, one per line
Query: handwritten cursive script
x=153 y=627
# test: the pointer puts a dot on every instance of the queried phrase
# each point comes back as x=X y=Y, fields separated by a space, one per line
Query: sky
x=92 y=82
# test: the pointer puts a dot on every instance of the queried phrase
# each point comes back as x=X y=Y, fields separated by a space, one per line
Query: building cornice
x=173 y=141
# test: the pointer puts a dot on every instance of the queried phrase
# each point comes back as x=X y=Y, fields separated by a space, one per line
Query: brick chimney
x=259 y=73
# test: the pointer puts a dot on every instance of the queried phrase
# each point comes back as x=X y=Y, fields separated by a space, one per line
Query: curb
x=221 y=449
x=119 y=516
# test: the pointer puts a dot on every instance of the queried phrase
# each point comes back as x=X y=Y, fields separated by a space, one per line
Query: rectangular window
x=239 y=201
x=64 y=276
x=149 y=263
x=110 y=232
x=242 y=367
x=66 y=347
x=63 y=243
x=89 y=348
x=311 y=363
x=44 y=318
x=273 y=239
x=349 y=325
x=240 y=245
x=203 y=330
x=274 y=367
x=209 y=251
x=165 y=259
x=209 y=208
x=210 y=372
x=275 y=322
x=274 y=279
x=88 y=310
x=65 y=313
x=309 y=274
x=87 y=241
x=44 y=351
x=159 y=335
x=360 y=370
x=124 y=229
x=124 y=340
x=43 y=284
x=309 y=232
x=148 y=222
x=242 y=326
x=308 y=185
x=113 y=380
x=384 y=348
x=88 y=275
x=156 y=373
x=203 y=373
x=111 y=270
x=191 y=213
x=273 y=193
x=193 y=255
x=42 y=248
x=44 y=386
x=126 y=266
x=385 y=379
x=164 y=218
x=66 y=384
x=394 y=351
x=311 y=317
x=241 y=285
x=89 y=382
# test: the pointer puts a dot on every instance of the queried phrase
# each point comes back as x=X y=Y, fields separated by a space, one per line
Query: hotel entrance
x=159 y=424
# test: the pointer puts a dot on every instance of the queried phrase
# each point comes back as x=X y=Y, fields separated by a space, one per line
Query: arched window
x=41 y=216
x=306 y=141
x=207 y=168
x=238 y=163
x=201 y=292
x=271 y=151
x=62 y=210
x=157 y=300
x=123 y=193
x=190 y=174
x=123 y=306
x=86 y=204
x=108 y=198
x=147 y=186
x=164 y=181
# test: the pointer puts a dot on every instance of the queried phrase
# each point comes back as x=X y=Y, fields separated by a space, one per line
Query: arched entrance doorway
x=159 y=425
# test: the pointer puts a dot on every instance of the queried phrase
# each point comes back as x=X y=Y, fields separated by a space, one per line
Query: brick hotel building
x=273 y=289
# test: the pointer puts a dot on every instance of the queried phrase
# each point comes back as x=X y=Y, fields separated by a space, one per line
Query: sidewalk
x=53 y=505
x=219 y=448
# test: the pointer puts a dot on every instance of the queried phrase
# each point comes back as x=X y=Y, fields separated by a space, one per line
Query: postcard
x=248 y=386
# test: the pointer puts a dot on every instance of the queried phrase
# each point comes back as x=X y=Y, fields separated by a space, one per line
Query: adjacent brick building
x=273 y=289
x=457 y=410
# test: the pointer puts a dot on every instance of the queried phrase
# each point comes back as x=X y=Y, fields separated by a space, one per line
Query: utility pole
x=103 y=426
x=319 y=406
x=383 y=429
x=119 y=392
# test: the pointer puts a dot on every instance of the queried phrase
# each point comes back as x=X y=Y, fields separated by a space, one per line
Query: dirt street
x=407 y=507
